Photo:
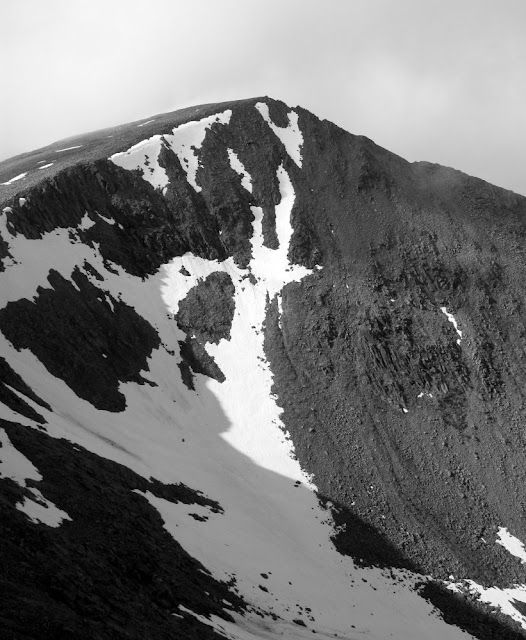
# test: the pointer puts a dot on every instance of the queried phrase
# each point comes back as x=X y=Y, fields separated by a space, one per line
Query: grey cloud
x=441 y=81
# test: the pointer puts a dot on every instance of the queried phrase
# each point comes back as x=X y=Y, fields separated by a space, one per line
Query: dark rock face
x=413 y=434
x=137 y=227
x=345 y=374
x=195 y=358
x=472 y=619
x=205 y=315
x=364 y=337
x=112 y=571
x=208 y=309
x=83 y=337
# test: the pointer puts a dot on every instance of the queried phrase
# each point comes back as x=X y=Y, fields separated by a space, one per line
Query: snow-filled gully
x=224 y=439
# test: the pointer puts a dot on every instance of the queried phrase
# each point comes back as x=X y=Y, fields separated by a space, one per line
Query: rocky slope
x=259 y=378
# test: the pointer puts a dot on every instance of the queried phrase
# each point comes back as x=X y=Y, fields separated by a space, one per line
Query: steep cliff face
x=258 y=377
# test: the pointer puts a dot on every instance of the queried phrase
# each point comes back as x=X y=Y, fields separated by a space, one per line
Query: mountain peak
x=259 y=376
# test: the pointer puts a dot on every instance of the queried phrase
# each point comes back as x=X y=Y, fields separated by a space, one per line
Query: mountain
x=259 y=378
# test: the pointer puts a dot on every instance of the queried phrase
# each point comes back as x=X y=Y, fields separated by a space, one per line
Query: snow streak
x=290 y=136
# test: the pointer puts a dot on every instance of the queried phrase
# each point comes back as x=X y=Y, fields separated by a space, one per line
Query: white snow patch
x=18 y=177
x=77 y=146
x=185 y=140
x=424 y=393
x=499 y=598
x=40 y=509
x=280 y=309
x=45 y=166
x=453 y=321
x=511 y=544
x=86 y=222
x=143 y=124
x=290 y=136
x=33 y=259
x=144 y=156
x=108 y=220
x=238 y=167
x=16 y=466
x=21 y=202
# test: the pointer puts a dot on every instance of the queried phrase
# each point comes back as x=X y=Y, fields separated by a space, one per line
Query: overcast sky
x=439 y=81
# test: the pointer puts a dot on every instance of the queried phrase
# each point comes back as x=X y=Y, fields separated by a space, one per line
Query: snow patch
x=107 y=220
x=109 y=302
x=77 y=146
x=512 y=544
x=290 y=136
x=188 y=138
x=238 y=167
x=143 y=124
x=40 y=510
x=453 y=321
x=143 y=156
x=15 y=179
x=280 y=309
x=86 y=222
x=45 y=166
x=33 y=259
x=499 y=598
